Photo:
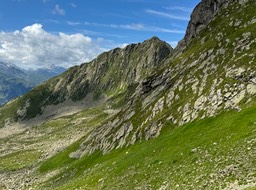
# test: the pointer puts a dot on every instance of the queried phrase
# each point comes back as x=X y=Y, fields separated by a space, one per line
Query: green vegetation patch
x=219 y=149
x=19 y=160
x=59 y=160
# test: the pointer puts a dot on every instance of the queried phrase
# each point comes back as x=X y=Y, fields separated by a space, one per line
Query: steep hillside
x=214 y=73
x=214 y=153
x=145 y=116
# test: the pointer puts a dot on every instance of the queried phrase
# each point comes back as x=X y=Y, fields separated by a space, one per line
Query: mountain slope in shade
x=12 y=82
x=15 y=81
x=11 y=70
x=12 y=87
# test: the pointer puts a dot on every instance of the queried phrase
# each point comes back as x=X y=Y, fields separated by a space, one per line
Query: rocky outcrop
x=200 y=17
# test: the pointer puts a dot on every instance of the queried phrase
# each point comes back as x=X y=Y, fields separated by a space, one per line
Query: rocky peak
x=203 y=13
x=153 y=39
x=153 y=43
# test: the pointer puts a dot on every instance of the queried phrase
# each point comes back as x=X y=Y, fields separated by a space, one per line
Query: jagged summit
x=202 y=14
x=153 y=39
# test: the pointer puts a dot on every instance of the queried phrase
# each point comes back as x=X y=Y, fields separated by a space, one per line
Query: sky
x=41 y=33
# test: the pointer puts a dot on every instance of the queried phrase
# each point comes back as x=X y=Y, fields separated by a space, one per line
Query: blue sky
x=39 y=33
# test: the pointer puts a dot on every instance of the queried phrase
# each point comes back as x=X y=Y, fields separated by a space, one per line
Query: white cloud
x=173 y=31
x=71 y=23
x=52 y=21
x=138 y=27
x=58 y=10
x=183 y=9
x=33 y=47
x=89 y=32
x=123 y=45
x=167 y=15
x=133 y=26
x=73 y=5
x=145 y=28
x=100 y=24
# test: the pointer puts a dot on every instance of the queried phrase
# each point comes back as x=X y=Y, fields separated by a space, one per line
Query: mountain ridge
x=97 y=76
x=129 y=72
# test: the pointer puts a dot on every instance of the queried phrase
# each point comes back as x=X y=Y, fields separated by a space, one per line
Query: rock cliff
x=201 y=16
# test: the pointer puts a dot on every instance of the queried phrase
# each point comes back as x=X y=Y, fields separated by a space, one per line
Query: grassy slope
x=204 y=154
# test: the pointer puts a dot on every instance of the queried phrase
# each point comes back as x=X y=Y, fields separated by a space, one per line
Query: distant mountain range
x=15 y=81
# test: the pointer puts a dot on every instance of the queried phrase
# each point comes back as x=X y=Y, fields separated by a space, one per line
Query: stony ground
x=23 y=147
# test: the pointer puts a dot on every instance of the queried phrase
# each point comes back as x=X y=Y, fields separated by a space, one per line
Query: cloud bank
x=33 y=47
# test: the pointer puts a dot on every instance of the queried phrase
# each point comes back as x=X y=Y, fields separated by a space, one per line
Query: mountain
x=12 y=87
x=12 y=82
x=11 y=70
x=110 y=74
x=40 y=75
x=146 y=116
x=15 y=81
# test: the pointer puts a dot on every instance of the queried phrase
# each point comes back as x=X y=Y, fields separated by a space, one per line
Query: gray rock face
x=200 y=17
